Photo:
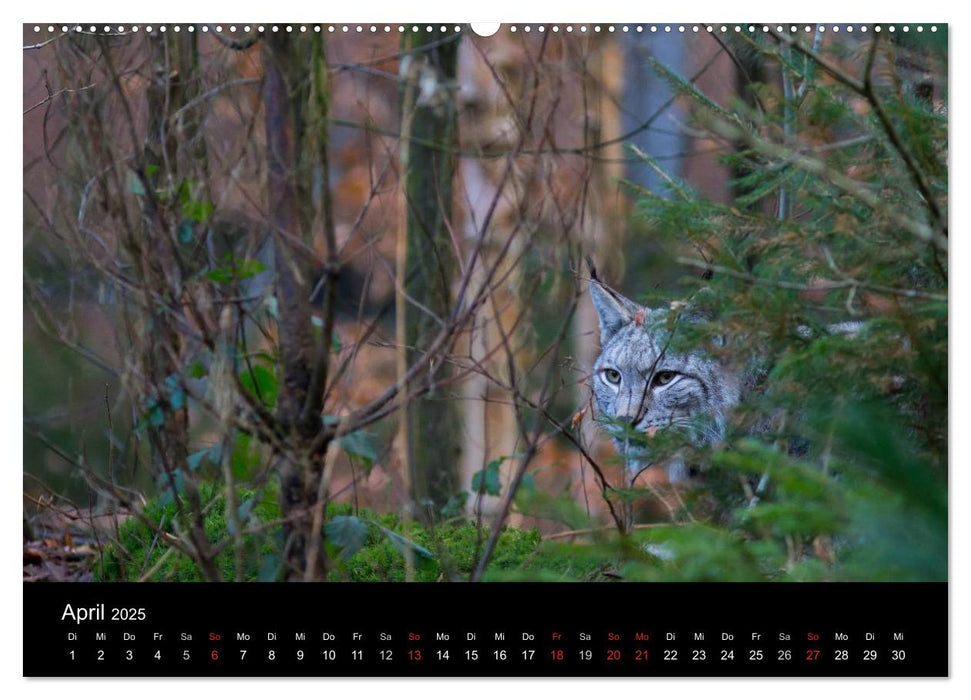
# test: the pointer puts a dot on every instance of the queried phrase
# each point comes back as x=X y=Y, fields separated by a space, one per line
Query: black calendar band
x=521 y=629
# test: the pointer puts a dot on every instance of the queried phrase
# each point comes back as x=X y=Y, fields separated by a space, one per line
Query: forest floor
x=63 y=545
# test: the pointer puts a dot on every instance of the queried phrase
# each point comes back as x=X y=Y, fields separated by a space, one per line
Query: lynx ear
x=613 y=309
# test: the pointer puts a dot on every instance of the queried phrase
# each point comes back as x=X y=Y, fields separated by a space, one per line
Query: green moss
x=140 y=549
x=448 y=551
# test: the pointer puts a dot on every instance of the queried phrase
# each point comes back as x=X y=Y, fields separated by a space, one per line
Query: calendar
x=486 y=350
x=509 y=630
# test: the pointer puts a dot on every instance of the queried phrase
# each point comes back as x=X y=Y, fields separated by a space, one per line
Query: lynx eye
x=611 y=376
x=662 y=378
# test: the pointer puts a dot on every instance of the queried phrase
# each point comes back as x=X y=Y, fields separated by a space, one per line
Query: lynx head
x=643 y=379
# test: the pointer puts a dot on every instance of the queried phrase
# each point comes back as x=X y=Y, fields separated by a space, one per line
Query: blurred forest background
x=305 y=304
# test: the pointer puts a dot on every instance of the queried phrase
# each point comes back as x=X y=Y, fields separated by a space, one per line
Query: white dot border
x=520 y=29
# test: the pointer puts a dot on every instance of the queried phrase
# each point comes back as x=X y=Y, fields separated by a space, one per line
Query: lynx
x=642 y=380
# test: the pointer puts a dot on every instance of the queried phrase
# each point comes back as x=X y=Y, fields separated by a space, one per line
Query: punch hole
x=485 y=28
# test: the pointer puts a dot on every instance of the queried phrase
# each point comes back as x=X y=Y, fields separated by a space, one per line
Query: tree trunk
x=433 y=427
x=286 y=101
x=490 y=429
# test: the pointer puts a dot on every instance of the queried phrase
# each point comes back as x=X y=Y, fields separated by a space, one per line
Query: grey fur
x=635 y=342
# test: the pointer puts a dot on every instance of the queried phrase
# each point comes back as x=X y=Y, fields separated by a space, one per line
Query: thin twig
x=822 y=285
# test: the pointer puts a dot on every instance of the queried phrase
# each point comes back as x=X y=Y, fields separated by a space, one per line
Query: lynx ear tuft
x=614 y=310
x=593 y=268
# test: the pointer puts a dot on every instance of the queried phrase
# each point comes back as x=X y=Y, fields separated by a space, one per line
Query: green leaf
x=269 y=568
x=262 y=383
x=165 y=486
x=177 y=399
x=243 y=512
x=197 y=211
x=219 y=275
x=212 y=454
x=135 y=185
x=348 y=532
x=528 y=483
x=185 y=232
x=455 y=506
x=249 y=268
x=244 y=269
x=176 y=394
x=487 y=480
x=247 y=456
x=195 y=459
x=245 y=508
x=184 y=191
x=197 y=370
x=359 y=444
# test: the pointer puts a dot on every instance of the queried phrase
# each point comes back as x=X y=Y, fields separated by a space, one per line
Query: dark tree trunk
x=286 y=101
x=434 y=427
